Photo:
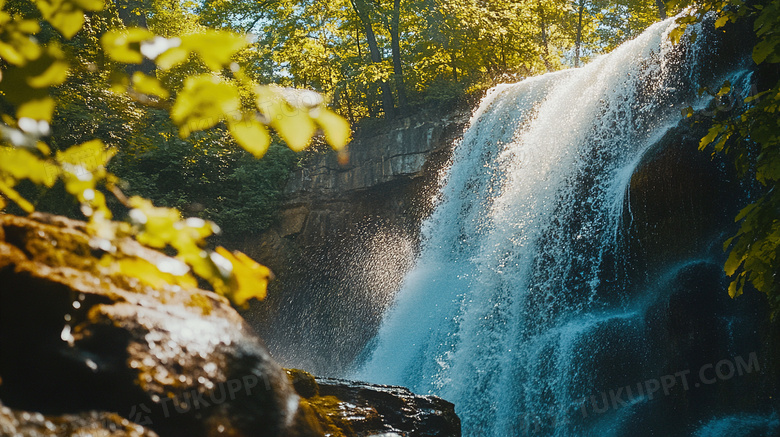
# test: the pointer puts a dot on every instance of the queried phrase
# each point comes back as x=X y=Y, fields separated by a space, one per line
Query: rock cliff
x=339 y=220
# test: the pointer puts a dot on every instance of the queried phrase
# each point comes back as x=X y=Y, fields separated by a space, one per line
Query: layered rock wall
x=336 y=221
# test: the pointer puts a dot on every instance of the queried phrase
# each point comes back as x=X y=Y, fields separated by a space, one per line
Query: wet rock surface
x=77 y=339
x=89 y=424
x=87 y=351
x=349 y=408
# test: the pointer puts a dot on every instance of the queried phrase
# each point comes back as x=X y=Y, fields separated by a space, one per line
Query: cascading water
x=520 y=282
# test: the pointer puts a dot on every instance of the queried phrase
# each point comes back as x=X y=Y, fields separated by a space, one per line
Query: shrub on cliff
x=750 y=135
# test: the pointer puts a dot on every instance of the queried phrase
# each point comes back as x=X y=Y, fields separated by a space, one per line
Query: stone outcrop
x=347 y=409
x=338 y=219
x=85 y=350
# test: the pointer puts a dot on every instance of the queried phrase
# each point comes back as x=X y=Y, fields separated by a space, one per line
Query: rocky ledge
x=88 y=351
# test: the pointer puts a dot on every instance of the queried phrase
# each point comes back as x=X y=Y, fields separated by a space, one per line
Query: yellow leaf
x=67 y=16
x=15 y=197
x=720 y=22
x=54 y=75
x=151 y=275
x=215 y=47
x=21 y=164
x=17 y=46
x=203 y=103
x=296 y=128
x=252 y=136
x=89 y=156
x=158 y=223
x=149 y=85
x=125 y=45
x=249 y=279
x=2 y=203
x=171 y=57
x=734 y=290
x=732 y=263
x=37 y=109
x=336 y=128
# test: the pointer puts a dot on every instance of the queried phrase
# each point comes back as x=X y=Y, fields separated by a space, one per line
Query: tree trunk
x=126 y=11
x=397 y=64
x=578 y=42
x=543 y=24
x=661 y=9
x=376 y=57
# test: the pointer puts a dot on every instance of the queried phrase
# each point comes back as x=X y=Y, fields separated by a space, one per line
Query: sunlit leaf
x=149 y=85
x=215 y=47
x=37 y=109
x=54 y=75
x=249 y=279
x=67 y=16
x=732 y=263
x=22 y=164
x=204 y=102
x=157 y=223
x=89 y=156
x=725 y=89
x=171 y=57
x=125 y=45
x=295 y=127
x=710 y=137
x=15 y=197
x=336 y=128
x=252 y=136
x=151 y=274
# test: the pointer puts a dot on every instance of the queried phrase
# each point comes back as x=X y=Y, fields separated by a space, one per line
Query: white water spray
x=499 y=313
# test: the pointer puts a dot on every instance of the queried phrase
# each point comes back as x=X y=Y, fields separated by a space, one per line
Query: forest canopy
x=172 y=101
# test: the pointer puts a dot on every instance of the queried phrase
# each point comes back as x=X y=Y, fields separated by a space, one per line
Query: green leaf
x=252 y=136
x=763 y=49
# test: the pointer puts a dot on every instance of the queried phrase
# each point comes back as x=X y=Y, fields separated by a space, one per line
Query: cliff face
x=338 y=220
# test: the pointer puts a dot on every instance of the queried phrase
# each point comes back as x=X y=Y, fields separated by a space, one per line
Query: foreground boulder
x=87 y=351
x=76 y=337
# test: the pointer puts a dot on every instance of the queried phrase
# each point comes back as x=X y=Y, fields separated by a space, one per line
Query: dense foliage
x=152 y=92
x=381 y=57
x=750 y=134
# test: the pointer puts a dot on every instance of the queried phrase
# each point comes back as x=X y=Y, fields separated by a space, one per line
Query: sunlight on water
x=503 y=307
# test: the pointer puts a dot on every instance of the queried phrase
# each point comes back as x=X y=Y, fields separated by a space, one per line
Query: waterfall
x=520 y=281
